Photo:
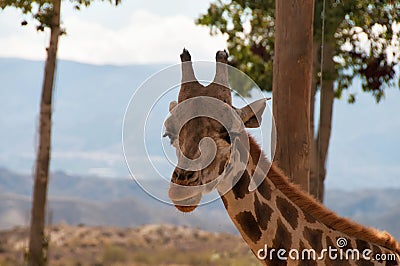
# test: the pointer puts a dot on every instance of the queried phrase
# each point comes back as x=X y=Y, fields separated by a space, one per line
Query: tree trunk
x=291 y=87
x=37 y=239
x=325 y=118
x=313 y=150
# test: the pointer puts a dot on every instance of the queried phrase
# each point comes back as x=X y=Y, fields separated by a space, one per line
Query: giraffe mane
x=317 y=210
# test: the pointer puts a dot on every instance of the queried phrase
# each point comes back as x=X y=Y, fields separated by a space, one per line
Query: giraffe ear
x=251 y=113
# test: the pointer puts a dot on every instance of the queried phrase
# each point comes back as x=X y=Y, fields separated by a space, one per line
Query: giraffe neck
x=270 y=220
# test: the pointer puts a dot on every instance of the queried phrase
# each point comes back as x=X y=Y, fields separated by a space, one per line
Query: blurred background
x=107 y=53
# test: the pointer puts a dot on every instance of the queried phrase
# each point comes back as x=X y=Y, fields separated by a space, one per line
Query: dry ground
x=145 y=245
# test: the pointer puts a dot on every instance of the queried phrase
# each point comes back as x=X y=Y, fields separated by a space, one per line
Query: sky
x=134 y=32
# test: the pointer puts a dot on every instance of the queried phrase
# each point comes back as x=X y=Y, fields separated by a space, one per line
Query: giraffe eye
x=225 y=136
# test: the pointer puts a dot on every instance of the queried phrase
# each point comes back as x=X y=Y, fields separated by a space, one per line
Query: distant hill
x=121 y=202
x=100 y=201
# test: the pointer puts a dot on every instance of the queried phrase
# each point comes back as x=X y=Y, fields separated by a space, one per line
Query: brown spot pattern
x=308 y=259
x=309 y=218
x=288 y=211
x=337 y=261
x=282 y=238
x=265 y=190
x=314 y=237
x=391 y=263
x=361 y=246
x=249 y=225
x=263 y=213
x=241 y=188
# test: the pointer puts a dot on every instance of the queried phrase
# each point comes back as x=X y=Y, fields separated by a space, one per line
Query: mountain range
x=121 y=202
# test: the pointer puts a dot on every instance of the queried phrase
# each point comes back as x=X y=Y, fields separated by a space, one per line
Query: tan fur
x=310 y=205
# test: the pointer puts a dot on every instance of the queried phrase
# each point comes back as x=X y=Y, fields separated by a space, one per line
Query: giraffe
x=281 y=224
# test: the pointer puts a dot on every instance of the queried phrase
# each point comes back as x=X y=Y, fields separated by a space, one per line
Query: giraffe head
x=203 y=126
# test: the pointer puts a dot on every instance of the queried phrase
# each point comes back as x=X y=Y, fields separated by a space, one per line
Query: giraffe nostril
x=175 y=175
x=182 y=175
x=190 y=175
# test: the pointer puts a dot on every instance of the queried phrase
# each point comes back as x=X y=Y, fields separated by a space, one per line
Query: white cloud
x=18 y=41
x=145 y=38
